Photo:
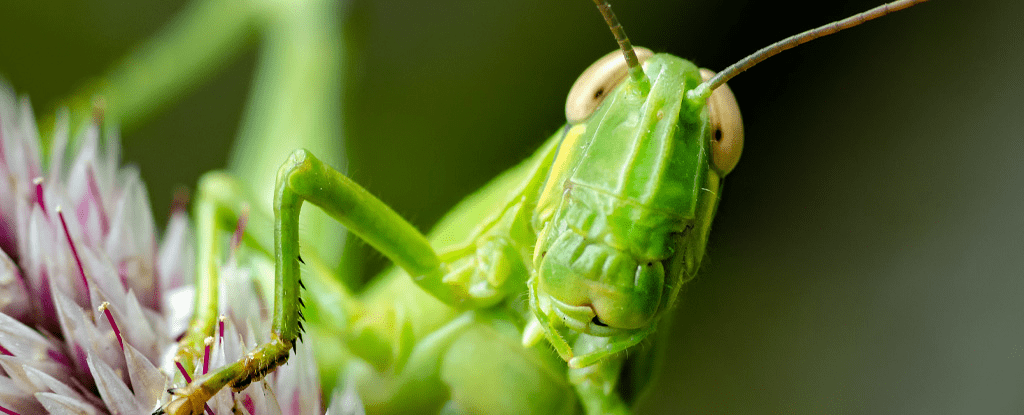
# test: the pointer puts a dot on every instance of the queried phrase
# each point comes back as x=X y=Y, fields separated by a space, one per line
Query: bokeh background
x=868 y=255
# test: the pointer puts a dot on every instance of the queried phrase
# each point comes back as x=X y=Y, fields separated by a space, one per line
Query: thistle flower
x=91 y=303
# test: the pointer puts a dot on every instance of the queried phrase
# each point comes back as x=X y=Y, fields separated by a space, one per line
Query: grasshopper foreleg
x=302 y=178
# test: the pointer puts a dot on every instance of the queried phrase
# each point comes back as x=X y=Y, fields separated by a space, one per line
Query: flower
x=91 y=303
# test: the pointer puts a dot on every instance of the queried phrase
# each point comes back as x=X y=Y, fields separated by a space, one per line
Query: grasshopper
x=554 y=279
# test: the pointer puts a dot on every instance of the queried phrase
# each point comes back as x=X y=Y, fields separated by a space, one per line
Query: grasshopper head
x=625 y=213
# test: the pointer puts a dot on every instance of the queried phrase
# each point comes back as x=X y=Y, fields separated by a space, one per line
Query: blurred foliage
x=868 y=252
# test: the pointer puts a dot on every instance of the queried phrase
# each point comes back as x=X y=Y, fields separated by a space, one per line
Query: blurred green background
x=868 y=255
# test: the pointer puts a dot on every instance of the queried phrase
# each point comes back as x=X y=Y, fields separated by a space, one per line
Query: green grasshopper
x=552 y=280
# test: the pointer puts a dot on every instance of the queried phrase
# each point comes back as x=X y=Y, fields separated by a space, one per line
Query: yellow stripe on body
x=547 y=202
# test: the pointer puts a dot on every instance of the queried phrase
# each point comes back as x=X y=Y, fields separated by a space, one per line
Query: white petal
x=104 y=281
x=240 y=300
x=174 y=262
x=179 y=304
x=222 y=402
x=89 y=213
x=298 y=383
x=84 y=337
x=132 y=236
x=58 y=404
x=139 y=330
x=148 y=382
x=346 y=401
x=8 y=211
x=21 y=340
x=32 y=349
x=37 y=259
x=117 y=396
x=77 y=183
x=30 y=139
x=14 y=294
x=272 y=406
x=22 y=216
x=45 y=382
x=17 y=400
x=14 y=368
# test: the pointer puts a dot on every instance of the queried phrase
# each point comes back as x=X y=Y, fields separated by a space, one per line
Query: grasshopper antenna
x=636 y=72
x=703 y=91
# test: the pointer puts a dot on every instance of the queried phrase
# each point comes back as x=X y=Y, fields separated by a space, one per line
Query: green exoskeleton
x=552 y=280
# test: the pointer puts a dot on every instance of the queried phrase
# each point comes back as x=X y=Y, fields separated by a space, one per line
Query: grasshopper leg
x=220 y=202
x=302 y=178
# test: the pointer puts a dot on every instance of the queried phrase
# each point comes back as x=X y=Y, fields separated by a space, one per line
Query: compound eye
x=726 y=125
x=597 y=82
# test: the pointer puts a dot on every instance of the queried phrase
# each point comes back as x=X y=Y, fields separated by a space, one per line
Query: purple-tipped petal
x=38 y=257
x=57 y=348
x=8 y=215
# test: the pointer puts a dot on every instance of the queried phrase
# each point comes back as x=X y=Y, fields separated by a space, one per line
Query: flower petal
x=44 y=382
x=30 y=139
x=58 y=404
x=119 y=399
x=19 y=339
x=176 y=256
x=15 y=399
x=297 y=385
x=83 y=337
x=14 y=295
x=346 y=401
x=131 y=243
x=148 y=382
